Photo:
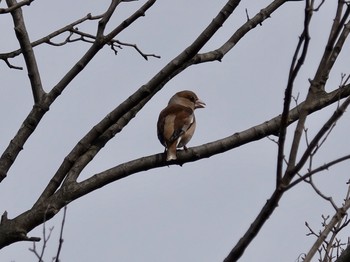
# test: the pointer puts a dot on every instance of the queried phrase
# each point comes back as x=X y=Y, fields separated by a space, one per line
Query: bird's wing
x=173 y=122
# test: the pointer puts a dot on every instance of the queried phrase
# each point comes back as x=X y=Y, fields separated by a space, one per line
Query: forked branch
x=15 y=6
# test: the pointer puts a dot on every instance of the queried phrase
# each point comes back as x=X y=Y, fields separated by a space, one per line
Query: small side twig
x=145 y=56
x=322 y=195
x=319 y=6
x=40 y=254
x=317 y=170
x=12 y=66
x=246 y=12
x=60 y=242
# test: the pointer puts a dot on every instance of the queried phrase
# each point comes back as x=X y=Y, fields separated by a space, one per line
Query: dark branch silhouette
x=65 y=186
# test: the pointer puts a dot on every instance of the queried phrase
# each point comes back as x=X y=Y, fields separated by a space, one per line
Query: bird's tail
x=171 y=152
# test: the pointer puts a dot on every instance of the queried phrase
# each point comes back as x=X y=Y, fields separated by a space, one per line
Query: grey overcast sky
x=192 y=213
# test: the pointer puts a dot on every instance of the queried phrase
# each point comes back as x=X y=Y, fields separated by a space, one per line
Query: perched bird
x=176 y=122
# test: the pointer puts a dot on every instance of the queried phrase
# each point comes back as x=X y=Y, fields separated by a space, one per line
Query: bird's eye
x=192 y=99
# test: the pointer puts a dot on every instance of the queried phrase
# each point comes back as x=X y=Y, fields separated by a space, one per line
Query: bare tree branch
x=47 y=39
x=60 y=243
x=15 y=6
x=317 y=170
x=293 y=72
x=12 y=66
x=46 y=238
x=55 y=198
x=76 y=190
x=39 y=109
x=272 y=203
x=220 y=52
x=316 y=90
x=332 y=49
x=145 y=56
x=322 y=195
x=64 y=186
x=29 y=57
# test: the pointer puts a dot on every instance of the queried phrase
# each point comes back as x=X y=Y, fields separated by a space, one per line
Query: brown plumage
x=177 y=123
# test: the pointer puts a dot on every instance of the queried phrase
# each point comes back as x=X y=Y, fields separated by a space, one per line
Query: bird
x=177 y=123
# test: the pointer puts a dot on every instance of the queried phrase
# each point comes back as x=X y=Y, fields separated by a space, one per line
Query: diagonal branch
x=28 y=53
x=331 y=51
x=236 y=37
x=108 y=14
x=317 y=170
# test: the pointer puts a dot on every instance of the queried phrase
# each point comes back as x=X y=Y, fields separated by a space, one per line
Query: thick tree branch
x=16 y=144
x=139 y=13
x=103 y=22
x=28 y=53
x=331 y=51
x=219 y=53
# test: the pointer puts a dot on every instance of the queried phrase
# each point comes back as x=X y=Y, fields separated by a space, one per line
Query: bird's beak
x=199 y=104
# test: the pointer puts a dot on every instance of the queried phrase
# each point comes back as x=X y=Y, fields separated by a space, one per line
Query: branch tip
x=4 y=217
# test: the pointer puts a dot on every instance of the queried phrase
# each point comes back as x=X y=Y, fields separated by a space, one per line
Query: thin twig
x=12 y=66
x=46 y=39
x=319 y=192
x=60 y=243
x=145 y=56
x=317 y=170
x=46 y=238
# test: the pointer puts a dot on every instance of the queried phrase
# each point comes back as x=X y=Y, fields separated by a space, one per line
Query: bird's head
x=187 y=98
